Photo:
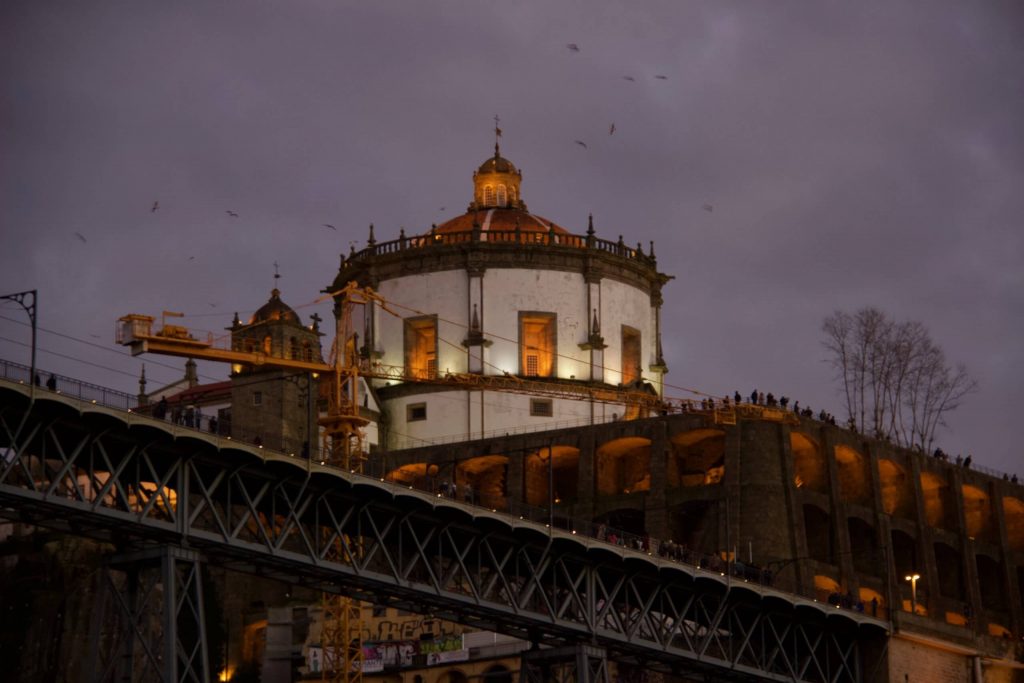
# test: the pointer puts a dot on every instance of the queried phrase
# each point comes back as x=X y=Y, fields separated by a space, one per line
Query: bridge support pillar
x=148 y=621
x=568 y=664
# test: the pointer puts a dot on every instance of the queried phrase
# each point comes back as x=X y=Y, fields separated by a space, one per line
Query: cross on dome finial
x=497 y=134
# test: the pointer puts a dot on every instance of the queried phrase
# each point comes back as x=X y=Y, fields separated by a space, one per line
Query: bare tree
x=895 y=380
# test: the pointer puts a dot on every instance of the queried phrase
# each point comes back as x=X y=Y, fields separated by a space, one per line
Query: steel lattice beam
x=317 y=526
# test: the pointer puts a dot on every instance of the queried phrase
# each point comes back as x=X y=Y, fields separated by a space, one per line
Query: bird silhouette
x=328 y=225
x=442 y=208
x=156 y=205
x=191 y=258
x=581 y=144
x=629 y=78
x=212 y=305
x=708 y=207
x=574 y=47
x=232 y=214
x=81 y=236
x=611 y=130
x=663 y=78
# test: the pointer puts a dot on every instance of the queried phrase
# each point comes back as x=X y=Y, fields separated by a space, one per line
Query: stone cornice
x=593 y=259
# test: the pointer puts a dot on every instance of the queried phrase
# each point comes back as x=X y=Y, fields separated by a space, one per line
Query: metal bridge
x=169 y=497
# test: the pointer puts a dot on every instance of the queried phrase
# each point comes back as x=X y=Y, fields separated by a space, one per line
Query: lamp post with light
x=912 y=578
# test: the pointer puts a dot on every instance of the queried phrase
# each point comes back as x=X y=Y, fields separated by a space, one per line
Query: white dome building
x=500 y=291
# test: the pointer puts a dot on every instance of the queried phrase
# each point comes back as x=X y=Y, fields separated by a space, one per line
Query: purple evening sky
x=854 y=154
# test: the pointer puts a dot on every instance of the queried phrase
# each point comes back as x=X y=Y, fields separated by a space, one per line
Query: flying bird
x=611 y=130
x=442 y=208
x=212 y=305
x=664 y=78
x=81 y=236
x=156 y=205
x=708 y=207
x=629 y=78
x=191 y=258
x=581 y=144
x=574 y=47
x=328 y=225
x=232 y=214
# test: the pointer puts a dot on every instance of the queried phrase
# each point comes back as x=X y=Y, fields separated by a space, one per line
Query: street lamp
x=912 y=578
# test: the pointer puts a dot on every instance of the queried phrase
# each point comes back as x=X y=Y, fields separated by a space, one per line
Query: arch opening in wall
x=564 y=462
x=624 y=466
x=808 y=463
x=826 y=588
x=978 y=520
x=453 y=676
x=1013 y=511
x=867 y=560
x=895 y=488
x=904 y=553
x=498 y=673
x=949 y=568
x=874 y=602
x=418 y=475
x=696 y=458
x=502 y=196
x=999 y=631
x=484 y=480
x=818 y=534
x=852 y=472
x=694 y=525
x=990 y=581
x=938 y=508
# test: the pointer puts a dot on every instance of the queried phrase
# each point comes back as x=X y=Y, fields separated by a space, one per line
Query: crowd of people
x=184 y=415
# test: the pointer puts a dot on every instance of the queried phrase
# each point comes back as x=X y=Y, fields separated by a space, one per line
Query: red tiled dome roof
x=500 y=219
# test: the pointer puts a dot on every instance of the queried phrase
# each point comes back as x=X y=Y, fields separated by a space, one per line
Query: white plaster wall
x=443 y=294
x=506 y=292
x=448 y=416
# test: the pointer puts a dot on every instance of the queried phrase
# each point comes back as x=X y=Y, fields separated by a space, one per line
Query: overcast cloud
x=855 y=154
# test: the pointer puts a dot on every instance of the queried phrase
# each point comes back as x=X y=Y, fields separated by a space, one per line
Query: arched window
x=267 y=345
x=511 y=196
x=488 y=195
x=502 y=197
x=307 y=351
x=293 y=347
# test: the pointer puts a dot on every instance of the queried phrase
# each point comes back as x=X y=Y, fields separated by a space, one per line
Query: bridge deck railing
x=666 y=549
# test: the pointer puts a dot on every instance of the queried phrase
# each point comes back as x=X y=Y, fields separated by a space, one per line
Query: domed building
x=502 y=292
x=274 y=407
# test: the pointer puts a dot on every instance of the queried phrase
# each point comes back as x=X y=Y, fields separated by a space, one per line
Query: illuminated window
x=414 y=412
x=267 y=345
x=488 y=195
x=537 y=344
x=502 y=197
x=630 y=354
x=541 y=407
x=421 y=346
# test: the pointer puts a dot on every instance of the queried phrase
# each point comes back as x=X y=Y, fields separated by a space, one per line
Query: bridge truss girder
x=285 y=518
